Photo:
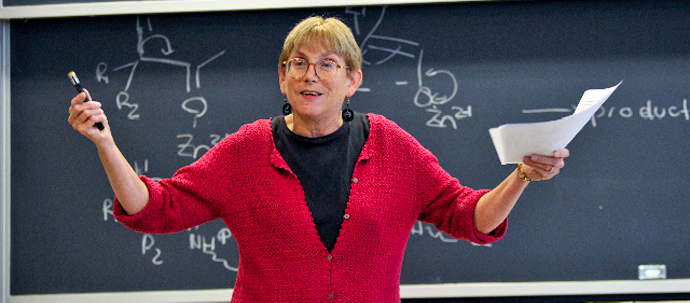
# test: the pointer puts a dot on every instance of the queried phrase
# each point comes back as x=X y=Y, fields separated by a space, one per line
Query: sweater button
x=330 y=258
x=331 y=296
x=346 y=216
x=354 y=180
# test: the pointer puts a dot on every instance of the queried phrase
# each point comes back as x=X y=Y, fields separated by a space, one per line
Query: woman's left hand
x=542 y=167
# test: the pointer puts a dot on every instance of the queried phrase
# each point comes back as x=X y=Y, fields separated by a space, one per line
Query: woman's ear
x=355 y=81
x=282 y=80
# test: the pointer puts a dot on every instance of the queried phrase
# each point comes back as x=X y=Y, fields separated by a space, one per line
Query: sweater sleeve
x=170 y=208
x=452 y=211
x=448 y=205
x=443 y=201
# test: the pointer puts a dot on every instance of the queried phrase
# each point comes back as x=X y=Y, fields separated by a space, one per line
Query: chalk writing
x=433 y=100
x=378 y=49
x=187 y=149
x=196 y=105
x=147 y=242
x=419 y=229
x=107 y=209
x=385 y=47
x=144 y=170
x=649 y=111
x=208 y=245
x=198 y=113
x=122 y=99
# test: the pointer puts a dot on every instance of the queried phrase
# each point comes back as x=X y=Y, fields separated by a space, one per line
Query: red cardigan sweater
x=245 y=181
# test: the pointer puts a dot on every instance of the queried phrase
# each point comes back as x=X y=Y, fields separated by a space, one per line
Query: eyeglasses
x=325 y=69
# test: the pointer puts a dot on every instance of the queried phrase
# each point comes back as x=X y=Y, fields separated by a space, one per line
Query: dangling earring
x=287 y=108
x=348 y=114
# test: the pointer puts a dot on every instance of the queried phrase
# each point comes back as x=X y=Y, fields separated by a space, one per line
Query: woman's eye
x=299 y=63
x=327 y=64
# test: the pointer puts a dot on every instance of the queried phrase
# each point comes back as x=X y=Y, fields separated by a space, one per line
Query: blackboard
x=444 y=72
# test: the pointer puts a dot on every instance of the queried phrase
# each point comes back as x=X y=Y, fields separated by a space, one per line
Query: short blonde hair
x=330 y=33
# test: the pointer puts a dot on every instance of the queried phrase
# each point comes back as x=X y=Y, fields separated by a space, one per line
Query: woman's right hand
x=83 y=117
x=132 y=193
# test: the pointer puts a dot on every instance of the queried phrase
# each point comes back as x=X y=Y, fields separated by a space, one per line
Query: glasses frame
x=309 y=64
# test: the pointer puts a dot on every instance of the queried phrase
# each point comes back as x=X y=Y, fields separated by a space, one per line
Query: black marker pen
x=77 y=85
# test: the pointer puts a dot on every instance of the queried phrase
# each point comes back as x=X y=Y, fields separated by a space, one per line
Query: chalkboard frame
x=442 y=291
x=105 y=7
x=5 y=161
x=407 y=291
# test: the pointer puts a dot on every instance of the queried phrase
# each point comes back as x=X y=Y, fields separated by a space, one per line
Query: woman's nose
x=310 y=74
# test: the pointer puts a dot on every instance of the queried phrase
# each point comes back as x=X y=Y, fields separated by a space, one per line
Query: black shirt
x=324 y=167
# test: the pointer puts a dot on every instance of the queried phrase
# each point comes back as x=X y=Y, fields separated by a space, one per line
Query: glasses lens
x=297 y=67
x=326 y=68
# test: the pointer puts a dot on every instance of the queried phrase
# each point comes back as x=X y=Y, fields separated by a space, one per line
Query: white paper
x=514 y=141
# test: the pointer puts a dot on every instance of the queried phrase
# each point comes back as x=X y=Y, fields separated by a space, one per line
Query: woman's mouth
x=311 y=94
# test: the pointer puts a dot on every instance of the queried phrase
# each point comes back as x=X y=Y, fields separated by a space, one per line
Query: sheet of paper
x=513 y=141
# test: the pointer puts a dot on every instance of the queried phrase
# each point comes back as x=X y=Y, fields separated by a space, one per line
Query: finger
x=88 y=95
x=79 y=98
x=539 y=171
x=85 y=115
x=94 y=112
x=543 y=167
x=74 y=108
x=90 y=123
x=87 y=125
x=78 y=106
x=563 y=153
x=541 y=163
x=547 y=162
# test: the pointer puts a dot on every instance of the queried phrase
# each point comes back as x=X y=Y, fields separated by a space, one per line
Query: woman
x=321 y=201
